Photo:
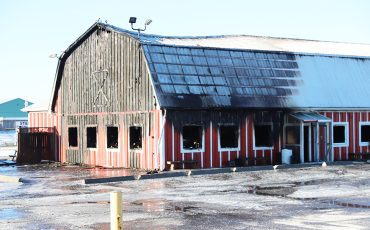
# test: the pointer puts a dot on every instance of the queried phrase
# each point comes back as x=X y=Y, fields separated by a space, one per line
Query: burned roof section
x=194 y=77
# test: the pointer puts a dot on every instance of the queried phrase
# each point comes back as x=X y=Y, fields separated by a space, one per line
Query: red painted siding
x=214 y=158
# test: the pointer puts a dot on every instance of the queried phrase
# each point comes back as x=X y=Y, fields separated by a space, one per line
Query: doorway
x=307 y=143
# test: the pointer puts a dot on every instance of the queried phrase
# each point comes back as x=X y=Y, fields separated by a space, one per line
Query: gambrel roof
x=239 y=72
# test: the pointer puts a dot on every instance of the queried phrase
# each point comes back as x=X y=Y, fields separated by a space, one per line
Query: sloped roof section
x=249 y=71
x=188 y=77
x=250 y=42
x=13 y=108
x=203 y=77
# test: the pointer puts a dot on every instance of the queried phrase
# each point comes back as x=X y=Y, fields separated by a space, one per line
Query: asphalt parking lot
x=52 y=197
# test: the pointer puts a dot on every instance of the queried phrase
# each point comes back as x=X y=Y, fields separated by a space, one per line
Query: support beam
x=317 y=143
x=301 y=149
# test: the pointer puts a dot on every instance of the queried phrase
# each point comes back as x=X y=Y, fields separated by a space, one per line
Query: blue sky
x=32 y=30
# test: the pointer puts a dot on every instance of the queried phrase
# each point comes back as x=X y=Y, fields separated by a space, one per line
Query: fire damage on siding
x=149 y=102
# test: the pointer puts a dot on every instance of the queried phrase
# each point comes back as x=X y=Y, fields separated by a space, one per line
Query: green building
x=11 y=115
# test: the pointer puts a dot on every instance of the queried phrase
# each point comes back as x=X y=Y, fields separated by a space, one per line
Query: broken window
x=135 y=137
x=262 y=135
x=72 y=137
x=365 y=134
x=91 y=137
x=339 y=134
x=192 y=137
x=229 y=136
x=292 y=135
x=112 y=137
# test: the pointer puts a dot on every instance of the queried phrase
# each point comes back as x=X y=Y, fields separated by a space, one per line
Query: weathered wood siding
x=114 y=62
x=106 y=83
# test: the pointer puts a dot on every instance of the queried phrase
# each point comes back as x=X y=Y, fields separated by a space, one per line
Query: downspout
x=161 y=143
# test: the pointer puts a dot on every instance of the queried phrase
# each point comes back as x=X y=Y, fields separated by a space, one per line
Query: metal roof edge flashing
x=256 y=50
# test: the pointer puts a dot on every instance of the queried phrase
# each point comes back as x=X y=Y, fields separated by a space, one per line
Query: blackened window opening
x=72 y=137
x=112 y=137
x=135 y=137
x=292 y=135
x=339 y=135
x=262 y=135
x=229 y=136
x=192 y=137
x=91 y=137
x=365 y=133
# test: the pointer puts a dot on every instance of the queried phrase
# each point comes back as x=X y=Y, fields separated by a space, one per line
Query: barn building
x=11 y=114
x=207 y=102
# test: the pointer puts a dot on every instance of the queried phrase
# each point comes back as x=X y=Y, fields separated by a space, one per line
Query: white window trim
x=192 y=150
x=106 y=139
x=135 y=150
x=346 y=134
x=78 y=144
x=219 y=138
x=361 y=123
x=254 y=137
x=92 y=126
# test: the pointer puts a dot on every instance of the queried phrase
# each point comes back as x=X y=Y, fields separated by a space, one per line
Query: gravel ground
x=334 y=197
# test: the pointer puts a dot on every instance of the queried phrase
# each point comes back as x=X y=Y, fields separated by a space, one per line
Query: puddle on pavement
x=89 y=202
x=281 y=191
x=10 y=213
x=160 y=205
x=285 y=190
x=152 y=205
x=100 y=226
x=351 y=205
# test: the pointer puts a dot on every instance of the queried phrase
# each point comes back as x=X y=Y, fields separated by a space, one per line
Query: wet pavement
x=53 y=197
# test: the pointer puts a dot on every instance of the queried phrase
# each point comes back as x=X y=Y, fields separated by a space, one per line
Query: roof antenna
x=132 y=21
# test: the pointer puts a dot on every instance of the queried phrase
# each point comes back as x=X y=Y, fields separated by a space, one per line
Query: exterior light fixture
x=132 y=21
x=56 y=55
x=53 y=56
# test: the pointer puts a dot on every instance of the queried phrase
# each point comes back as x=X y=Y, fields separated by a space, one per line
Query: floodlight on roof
x=133 y=20
x=147 y=22
x=53 y=55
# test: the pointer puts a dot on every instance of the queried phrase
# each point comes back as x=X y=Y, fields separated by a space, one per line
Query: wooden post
x=301 y=142
x=115 y=210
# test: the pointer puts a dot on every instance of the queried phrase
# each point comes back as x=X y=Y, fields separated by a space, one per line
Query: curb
x=196 y=172
x=10 y=179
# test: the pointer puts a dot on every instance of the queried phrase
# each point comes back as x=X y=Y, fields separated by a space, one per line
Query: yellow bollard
x=115 y=210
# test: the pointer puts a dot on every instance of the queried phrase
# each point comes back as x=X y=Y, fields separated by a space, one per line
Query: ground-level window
x=229 y=136
x=91 y=137
x=263 y=135
x=112 y=137
x=72 y=137
x=135 y=137
x=365 y=133
x=192 y=137
x=340 y=134
x=292 y=135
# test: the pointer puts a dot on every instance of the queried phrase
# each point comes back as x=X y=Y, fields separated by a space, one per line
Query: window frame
x=219 y=137
x=106 y=138
x=96 y=133
x=285 y=133
x=69 y=146
x=360 y=124
x=254 y=136
x=182 y=140
x=129 y=137
x=346 y=134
